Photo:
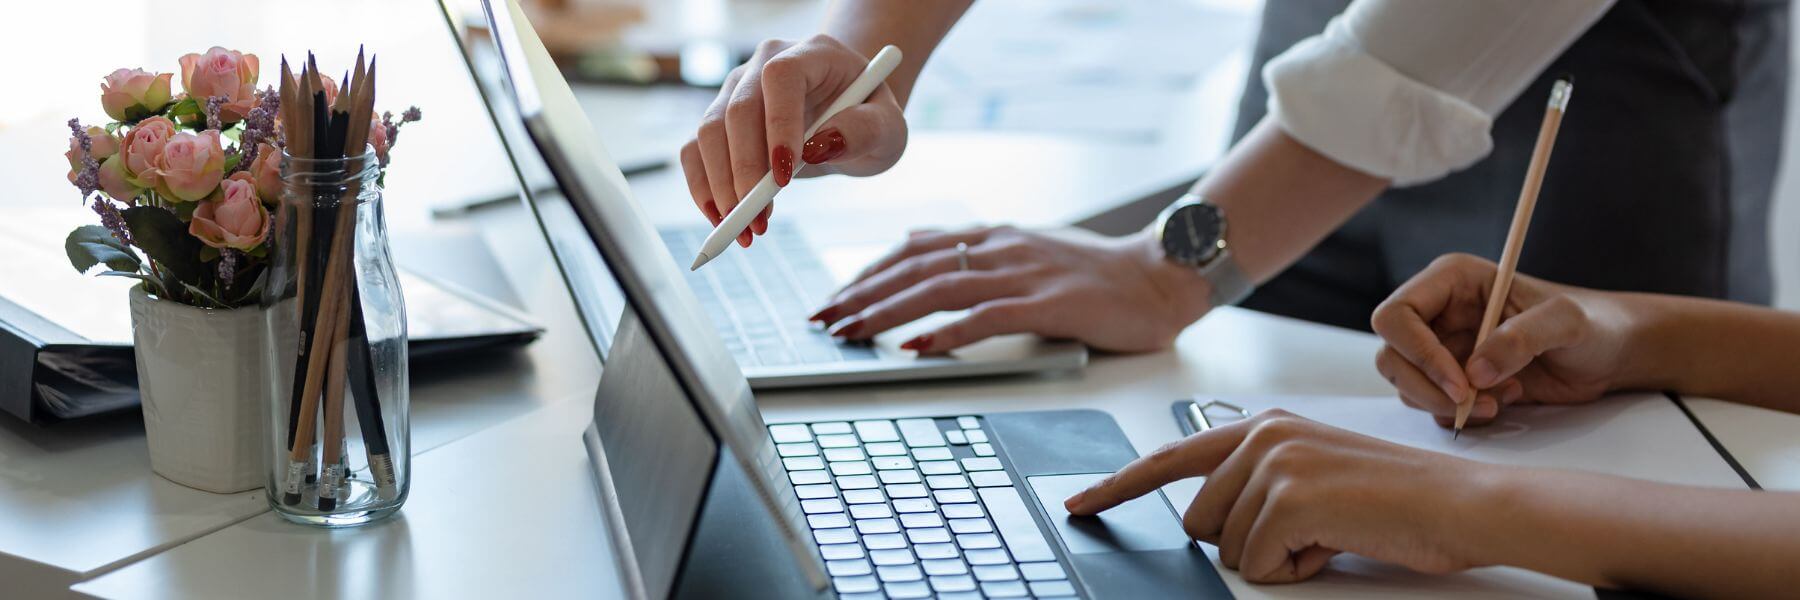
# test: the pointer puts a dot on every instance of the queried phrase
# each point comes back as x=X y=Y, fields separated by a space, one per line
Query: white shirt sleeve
x=1408 y=89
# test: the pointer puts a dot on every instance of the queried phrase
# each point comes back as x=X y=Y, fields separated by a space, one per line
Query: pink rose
x=132 y=94
x=266 y=173
x=142 y=146
x=101 y=144
x=331 y=88
x=233 y=217
x=228 y=74
x=114 y=181
x=190 y=165
x=378 y=137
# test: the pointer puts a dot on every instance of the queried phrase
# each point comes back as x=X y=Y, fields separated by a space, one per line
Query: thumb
x=1550 y=325
x=870 y=133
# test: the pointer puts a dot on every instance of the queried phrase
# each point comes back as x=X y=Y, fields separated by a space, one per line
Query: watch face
x=1192 y=233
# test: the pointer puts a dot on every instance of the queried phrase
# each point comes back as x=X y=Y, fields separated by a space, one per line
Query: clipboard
x=1195 y=416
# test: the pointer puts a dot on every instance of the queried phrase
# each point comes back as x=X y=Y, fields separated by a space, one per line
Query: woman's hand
x=762 y=112
x=1555 y=344
x=1112 y=293
x=1284 y=494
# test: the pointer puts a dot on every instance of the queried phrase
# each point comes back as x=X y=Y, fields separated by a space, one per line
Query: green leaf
x=216 y=303
x=90 y=245
x=165 y=238
x=232 y=160
x=187 y=106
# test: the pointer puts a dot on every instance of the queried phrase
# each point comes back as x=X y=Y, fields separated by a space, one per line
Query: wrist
x=1644 y=335
x=1187 y=291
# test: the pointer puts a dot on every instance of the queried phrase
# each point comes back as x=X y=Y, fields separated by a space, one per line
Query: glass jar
x=339 y=439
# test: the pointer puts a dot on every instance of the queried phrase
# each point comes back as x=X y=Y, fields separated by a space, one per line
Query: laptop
x=758 y=299
x=706 y=500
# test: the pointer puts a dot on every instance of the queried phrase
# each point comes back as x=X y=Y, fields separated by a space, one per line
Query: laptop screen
x=672 y=403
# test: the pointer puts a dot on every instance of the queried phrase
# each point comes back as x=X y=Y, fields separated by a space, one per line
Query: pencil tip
x=1456 y=434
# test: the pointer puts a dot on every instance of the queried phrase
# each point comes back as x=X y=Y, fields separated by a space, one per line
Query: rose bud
x=132 y=94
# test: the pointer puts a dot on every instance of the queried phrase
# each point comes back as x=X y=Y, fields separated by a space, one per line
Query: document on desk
x=1645 y=436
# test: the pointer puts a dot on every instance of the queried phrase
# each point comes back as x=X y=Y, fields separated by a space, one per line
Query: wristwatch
x=1192 y=233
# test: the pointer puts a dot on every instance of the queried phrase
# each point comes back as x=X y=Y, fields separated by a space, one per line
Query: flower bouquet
x=184 y=185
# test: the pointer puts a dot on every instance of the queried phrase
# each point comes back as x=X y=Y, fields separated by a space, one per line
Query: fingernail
x=848 y=330
x=744 y=239
x=760 y=225
x=711 y=212
x=782 y=159
x=919 y=344
x=825 y=315
x=1482 y=373
x=1485 y=407
x=1073 y=504
x=823 y=147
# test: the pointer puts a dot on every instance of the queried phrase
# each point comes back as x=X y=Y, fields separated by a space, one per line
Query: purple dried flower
x=88 y=179
x=211 y=108
x=412 y=114
x=228 y=265
x=112 y=220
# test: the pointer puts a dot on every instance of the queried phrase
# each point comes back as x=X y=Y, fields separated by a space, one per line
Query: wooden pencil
x=1521 y=221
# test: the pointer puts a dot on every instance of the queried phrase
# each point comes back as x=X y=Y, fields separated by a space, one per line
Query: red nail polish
x=781 y=160
x=760 y=225
x=849 y=330
x=825 y=315
x=823 y=147
x=920 y=344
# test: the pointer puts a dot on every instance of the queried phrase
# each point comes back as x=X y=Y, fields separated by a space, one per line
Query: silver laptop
x=757 y=301
x=705 y=500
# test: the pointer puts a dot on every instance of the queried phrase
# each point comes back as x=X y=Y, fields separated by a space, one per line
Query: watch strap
x=1230 y=285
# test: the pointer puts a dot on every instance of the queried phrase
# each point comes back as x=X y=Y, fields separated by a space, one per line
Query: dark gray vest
x=1660 y=181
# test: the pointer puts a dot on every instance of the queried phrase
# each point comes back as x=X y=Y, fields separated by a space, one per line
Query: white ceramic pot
x=201 y=377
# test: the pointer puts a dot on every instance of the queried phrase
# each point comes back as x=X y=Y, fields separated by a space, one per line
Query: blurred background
x=1121 y=78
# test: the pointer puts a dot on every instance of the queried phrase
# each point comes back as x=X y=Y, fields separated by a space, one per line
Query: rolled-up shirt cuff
x=1338 y=100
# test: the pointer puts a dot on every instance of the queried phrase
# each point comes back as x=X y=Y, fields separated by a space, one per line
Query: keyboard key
x=808 y=477
x=895 y=556
x=929 y=535
x=970 y=525
x=939 y=551
x=996 y=573
x=956 y=438
x=848 y=567
x=900 y=573
x=969 y=595
x=986 y=557
x=943 y=566
x=837 y=441
x=906 y=490
x=815 y=491
x=788 y=434
x=857 y=584
x=939 y=467
x=939 y=453
x=886 y=449
x=844 y=454
x=834 y=536
x=976 y=436
x=828 y=521
x=869 y=526
x=870 y=511
x=803 y=463
x=1052 y=589
x=990 y=478
x=963 y=422
x=907 y=476
x=823 y=505
x=977 y=541
x=1023 y=537
x=983 y=449
x=953 y=583
x=1042 y=571
x=831 y=428
x=942 y=482
x=917 y=520
x=856 y=482
x=890 y=463
x=962 y=511
x=908 y=590
x=850 y=468
x=803 y=449
x=841 y=551
x=984 y=463
x=920 y=432
x=953 y=496
x=885 y=541
x=1003 y=589
x=913 y=505
x=864 y=496
x=877 y=431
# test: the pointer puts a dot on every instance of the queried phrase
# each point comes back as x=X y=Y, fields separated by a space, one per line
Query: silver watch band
x=1230 y=285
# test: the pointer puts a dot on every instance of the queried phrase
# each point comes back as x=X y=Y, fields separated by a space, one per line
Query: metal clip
x=1197 y=413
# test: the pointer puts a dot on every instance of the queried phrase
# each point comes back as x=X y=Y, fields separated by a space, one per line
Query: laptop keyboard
x=917 y=508
x=773 y=286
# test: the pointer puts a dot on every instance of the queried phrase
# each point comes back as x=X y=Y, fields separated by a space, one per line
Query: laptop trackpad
x=1144 y=523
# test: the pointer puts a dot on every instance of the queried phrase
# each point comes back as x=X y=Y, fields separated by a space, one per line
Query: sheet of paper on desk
x=1640 y=435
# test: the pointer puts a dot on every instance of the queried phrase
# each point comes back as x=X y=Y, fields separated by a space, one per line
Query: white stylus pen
x=764 y=192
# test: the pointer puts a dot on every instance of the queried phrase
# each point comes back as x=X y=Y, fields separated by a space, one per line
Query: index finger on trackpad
x=1142 y=523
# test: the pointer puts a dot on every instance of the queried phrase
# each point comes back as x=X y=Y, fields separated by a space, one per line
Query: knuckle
x=745 y=103
x=771 y=46
x=1287 y=456
x=1457 y=260
x=780 y=68
x=712 y=129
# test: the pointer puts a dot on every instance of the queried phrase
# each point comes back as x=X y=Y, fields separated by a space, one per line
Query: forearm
x=1281 y=198
x=1713 y=348
x=915 y=27
x=1623 y=533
